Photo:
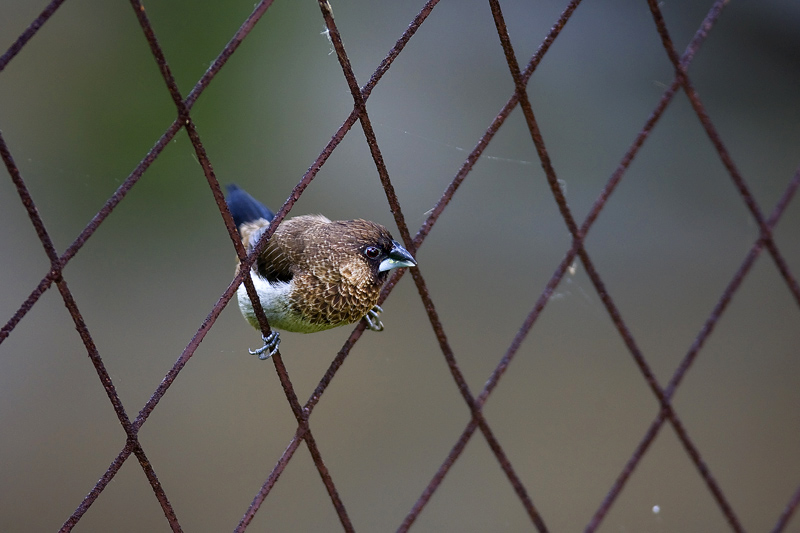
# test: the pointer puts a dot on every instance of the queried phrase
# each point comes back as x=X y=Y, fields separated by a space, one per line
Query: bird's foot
x=271 y=343
x=373 y=319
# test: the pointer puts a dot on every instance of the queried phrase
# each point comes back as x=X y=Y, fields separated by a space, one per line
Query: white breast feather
x=274 y=299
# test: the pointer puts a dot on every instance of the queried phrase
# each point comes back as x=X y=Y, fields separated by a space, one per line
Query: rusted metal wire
x=99 y=487
x=578 y=236
x=183 y=115
x=474 y=156
x=708 y=327
x=59 y=263
x=787 y=513
x=29 y=32
x=137 y=173
x=694 y=350
x=83 y=331
x=493 y=128
x=475 y=409
x=359 y=329
x=722 y=151
x=359 y=113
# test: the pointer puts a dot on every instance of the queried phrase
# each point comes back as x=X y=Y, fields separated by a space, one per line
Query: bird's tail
x=244 y=208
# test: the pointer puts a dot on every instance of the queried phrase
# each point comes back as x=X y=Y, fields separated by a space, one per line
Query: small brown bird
x=314 y=274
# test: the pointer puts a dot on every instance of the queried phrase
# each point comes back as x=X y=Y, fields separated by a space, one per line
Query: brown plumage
x=315 y=274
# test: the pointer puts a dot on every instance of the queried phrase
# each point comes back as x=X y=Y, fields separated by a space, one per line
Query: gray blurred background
x=82 y=104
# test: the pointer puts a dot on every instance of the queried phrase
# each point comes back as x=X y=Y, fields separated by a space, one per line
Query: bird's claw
x=271 y=343
x=373 y=319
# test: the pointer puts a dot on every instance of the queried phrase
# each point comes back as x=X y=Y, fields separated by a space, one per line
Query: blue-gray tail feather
x=245 y=208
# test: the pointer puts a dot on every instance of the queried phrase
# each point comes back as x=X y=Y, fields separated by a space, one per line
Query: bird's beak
x=398 y=257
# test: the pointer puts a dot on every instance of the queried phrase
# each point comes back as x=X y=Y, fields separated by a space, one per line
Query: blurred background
x=82 y=104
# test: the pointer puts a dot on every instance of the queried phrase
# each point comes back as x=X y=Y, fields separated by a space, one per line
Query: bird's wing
x=287 y=251
x=277 y=262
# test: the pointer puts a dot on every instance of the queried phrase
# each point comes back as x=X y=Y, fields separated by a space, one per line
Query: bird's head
x=371 y=252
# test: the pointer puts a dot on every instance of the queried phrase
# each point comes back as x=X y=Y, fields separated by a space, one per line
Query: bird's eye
x=372 y=252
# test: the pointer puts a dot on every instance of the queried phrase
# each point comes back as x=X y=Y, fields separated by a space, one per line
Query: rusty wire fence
x=526 y=490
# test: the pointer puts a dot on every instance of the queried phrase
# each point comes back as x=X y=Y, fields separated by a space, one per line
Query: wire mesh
x=478 y=421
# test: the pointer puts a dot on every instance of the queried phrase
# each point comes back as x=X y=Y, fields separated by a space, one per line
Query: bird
x=314 y=274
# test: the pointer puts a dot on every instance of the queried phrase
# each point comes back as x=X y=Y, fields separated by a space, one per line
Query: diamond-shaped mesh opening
x=602 y=329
